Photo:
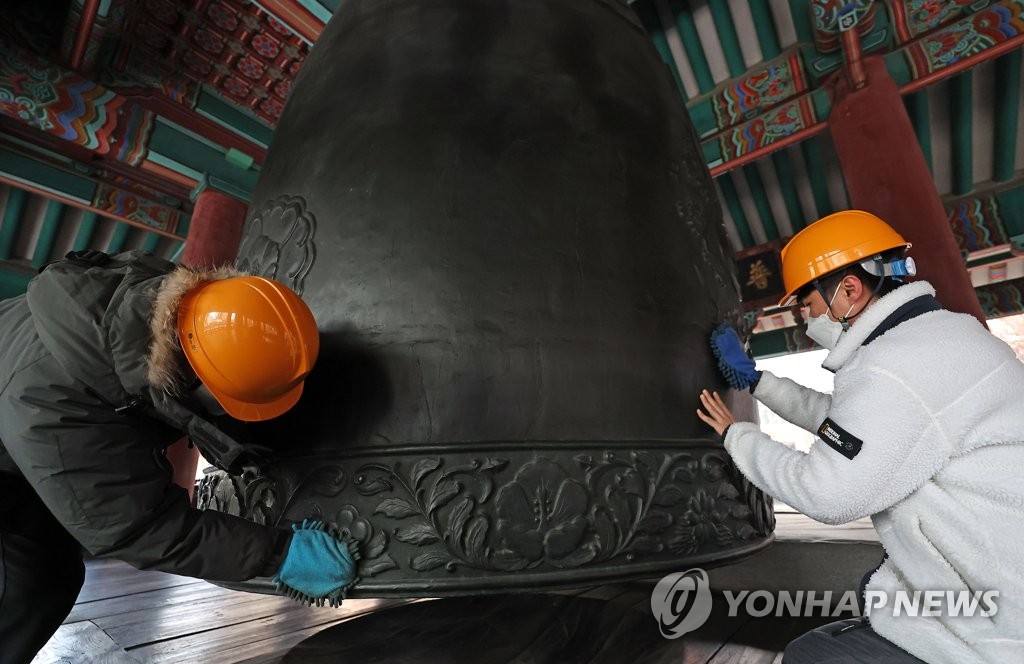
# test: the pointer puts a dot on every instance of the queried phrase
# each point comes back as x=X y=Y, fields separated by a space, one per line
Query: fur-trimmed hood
x=76 y=354
x=166 y=367
x=113 y=326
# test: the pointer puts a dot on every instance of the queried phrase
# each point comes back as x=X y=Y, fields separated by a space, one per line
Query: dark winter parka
x=79 y=352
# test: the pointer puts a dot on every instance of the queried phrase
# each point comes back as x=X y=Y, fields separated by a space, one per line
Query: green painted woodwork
x=238 y=159
x=764 y=23
x=86 y=229
x=48 y=233
x=13 y=283
x=821 y=65
x=801 y=12
x=732 y=201
x=702 y=115
x=760 y=195
x=223 y=113
x=712 y=151
x=332 y=5
x=178 y=251
x=896 y=65
x=727 y=37
x=822 y=102
x=182 y=148
x=692 y=46
x=118 y=238
x=11 y=221
x=815 y=162
x=33 y=172
x=317 y=10
x=151 y=242
x=1007 y=107
x=787 y=186
x=183 y=226
x=1011 y=210
x=917 y=109
x=960 y=112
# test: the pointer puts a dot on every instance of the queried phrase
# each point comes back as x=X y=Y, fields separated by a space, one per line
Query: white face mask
x=824 y=330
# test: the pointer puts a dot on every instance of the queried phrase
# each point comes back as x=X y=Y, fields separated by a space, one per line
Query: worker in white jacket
x=924 y=433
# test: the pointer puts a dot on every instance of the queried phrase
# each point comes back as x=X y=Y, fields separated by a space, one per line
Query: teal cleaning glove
x=734 y=363
x=318 y=567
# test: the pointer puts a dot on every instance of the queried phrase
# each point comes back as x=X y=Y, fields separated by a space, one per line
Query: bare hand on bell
x=718 y=416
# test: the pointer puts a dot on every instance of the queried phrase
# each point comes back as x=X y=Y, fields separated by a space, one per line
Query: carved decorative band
x=456 y=521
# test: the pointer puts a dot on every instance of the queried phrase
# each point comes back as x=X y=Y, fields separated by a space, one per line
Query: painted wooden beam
x=787 y=186
x=801 y=12
x=692 y=46
x=962 y=65
x=11 y=221
x=66 y=200
x=815 y=161
x=917 y=109
x=1007 y=107
x=764 y=23
x=90 y=9
x=760 y=196
x=739 y=219
x=961 y=132
x=118 y=238
x=727 y=37
x=295 y=16
x=151 y=242
x=48 y=234
x=171 y=147
x=898 y=68
x=215 y=132
x=86 y=229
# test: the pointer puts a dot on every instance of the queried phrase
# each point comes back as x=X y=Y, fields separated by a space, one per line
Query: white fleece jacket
x=938 y=405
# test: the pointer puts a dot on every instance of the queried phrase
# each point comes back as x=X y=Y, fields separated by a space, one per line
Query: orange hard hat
x=831 y=243
x=251 y=341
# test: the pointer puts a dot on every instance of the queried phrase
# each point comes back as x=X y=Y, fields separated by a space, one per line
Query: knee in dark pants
x=67 y=586
x=850 y=641
x=33 y=605
x=41 y=573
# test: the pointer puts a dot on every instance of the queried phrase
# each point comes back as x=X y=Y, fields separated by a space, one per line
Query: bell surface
x=501 y=217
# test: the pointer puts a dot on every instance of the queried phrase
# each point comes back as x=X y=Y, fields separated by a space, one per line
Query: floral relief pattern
x=279 y=242
x=541 y=512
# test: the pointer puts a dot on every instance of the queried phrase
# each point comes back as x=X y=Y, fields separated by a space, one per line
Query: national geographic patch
x=839 y=439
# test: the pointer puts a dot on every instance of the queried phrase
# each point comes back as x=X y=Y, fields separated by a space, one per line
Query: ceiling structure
x=124 y=110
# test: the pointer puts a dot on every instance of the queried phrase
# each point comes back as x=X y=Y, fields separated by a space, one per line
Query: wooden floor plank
x=701 y=645
x=82 y=643
x=270 y=651
x=761 y=640
x=128 y=616
x=126 y=581
x=152 y=599
x=157 y=624
x=210 y=646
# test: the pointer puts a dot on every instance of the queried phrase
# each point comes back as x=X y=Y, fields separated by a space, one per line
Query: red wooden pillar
x=213 y=238
x=886 y=174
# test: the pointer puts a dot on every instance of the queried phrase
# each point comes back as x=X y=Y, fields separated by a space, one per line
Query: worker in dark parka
x=105 y=361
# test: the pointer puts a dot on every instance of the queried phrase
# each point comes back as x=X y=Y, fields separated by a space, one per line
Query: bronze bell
x=500 y=214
